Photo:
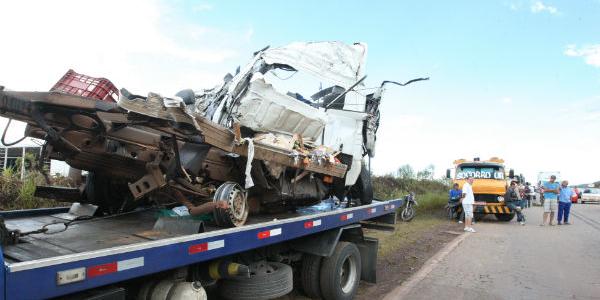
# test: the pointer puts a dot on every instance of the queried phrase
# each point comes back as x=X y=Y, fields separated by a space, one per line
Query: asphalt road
x=509 y=261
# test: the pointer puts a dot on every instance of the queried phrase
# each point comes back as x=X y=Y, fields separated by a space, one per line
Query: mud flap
x=368 y=258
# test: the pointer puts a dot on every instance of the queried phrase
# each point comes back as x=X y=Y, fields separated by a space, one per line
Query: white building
x=10 y=154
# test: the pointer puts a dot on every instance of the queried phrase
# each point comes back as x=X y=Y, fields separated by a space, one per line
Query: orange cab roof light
x=492 y=160
x=496 y=160
x=460 y=161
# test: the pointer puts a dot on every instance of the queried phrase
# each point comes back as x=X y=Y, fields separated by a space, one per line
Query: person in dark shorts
x=514 y=202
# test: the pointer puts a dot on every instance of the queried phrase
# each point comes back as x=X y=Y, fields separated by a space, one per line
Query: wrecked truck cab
x=334 y=116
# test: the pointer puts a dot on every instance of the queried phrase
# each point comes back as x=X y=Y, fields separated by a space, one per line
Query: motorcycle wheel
x=449 y=212
x=408 y=213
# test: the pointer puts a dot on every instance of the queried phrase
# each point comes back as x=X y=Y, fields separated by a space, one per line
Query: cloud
x=249 y=34
x=540 y=7
x=202 y=7
x=141 y=45
x=587 y=110
x=507 y=100
x=513 y=6
x=590 y=53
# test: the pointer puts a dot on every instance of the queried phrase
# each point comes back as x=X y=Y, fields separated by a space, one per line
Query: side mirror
x=448 y=173
x=511 y=173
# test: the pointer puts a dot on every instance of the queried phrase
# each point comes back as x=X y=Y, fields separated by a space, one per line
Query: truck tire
x=505 y=217
x=188 y=96
x=237 y=213
x=340 y=273
x=275 y=282
x=310 y=275
x=362 y=190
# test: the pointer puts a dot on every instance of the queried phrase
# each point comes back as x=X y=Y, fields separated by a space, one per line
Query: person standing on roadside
x=468 y=199
x=515 y=202
x=551 y=191
x=528 y=191
x=564 y=203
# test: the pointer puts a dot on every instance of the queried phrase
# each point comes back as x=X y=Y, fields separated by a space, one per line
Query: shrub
x=431 y=194
x=20 y=194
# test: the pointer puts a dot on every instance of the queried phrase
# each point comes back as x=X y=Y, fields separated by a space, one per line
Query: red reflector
x=101 y=270
x=308 y=224
x=346 y=217
x=264 y=234
x=198 y=248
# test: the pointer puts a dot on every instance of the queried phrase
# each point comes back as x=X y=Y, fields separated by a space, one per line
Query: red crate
x=82 y=85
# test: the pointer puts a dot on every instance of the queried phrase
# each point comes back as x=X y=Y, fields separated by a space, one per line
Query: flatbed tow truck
x=247 y=151
x=135 y=254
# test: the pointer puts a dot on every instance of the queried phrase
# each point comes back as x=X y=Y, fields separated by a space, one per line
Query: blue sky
x=515 y=79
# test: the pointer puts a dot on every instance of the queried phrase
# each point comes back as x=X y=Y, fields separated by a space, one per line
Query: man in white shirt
x=468 y=199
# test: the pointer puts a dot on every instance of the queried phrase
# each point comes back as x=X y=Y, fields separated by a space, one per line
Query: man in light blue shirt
x=564 y=203
x=551 y=191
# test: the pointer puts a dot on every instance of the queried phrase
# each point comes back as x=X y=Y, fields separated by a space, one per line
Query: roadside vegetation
x=17 y=192
x=431 y=194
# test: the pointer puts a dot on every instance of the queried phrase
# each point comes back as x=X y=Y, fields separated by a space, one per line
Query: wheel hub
x=348 y=274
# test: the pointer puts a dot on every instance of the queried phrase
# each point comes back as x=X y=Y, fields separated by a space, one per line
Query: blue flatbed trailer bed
x=105 y=251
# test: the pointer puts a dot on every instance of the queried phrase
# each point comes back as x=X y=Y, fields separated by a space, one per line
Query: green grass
x=17 y=193
x=405 y=233
x=432 y=197
x=26 y=196
x=432 y=201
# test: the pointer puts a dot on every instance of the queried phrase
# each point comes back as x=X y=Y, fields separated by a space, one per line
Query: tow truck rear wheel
x=340 y=273
x=309 y=276
x=505 y=217
x=236 y=197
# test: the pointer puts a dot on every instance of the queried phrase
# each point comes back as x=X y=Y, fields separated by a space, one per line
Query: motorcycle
x=453 y=209
x=408 y=213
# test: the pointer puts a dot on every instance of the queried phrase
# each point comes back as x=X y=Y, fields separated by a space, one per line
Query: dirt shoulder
x=404 y=251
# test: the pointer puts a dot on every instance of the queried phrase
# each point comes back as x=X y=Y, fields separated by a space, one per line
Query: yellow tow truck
x=489 y=186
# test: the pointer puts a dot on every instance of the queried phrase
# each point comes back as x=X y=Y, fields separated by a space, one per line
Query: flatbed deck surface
x=97 y=234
